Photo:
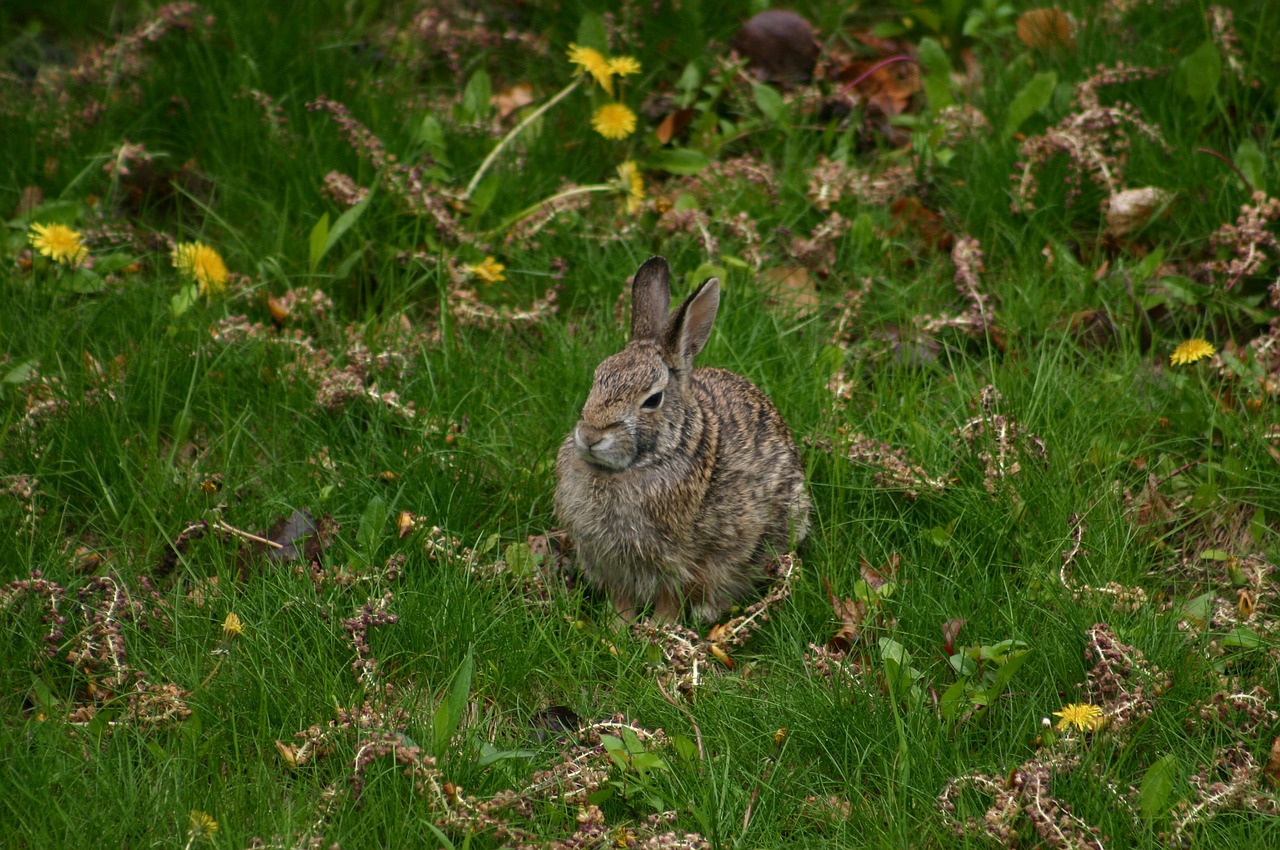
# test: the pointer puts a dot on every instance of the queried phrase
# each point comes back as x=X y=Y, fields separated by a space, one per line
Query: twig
x=1179 y=471
x=222 y=526
x=755 y=794
x=515 y=131
x=1211 y=152
x=873 y=69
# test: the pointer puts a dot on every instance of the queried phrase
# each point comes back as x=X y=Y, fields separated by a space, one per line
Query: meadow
x=299 y=300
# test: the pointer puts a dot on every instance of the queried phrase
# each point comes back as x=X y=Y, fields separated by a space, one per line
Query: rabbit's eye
x=653 y=402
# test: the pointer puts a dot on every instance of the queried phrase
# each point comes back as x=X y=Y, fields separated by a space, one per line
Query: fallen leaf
x=910 y=215
x=720 y=655
x=1131 y=209
x=289 y=753
x=877 y=579
x=1044 y=29
x=279 y=312
x=1092 y=328
x=887 y=89
x=791 y=289
x=674 y=125
x=31 y=197
x=850 y=613
x=1272 y=770
x=296 y=536
x=405 y=523
x=509 y=100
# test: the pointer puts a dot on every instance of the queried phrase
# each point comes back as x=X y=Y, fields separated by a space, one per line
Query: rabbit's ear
x=650 y=299
x=690 y=327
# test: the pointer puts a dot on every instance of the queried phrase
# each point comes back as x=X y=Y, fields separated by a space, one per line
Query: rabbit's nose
x=588 y=438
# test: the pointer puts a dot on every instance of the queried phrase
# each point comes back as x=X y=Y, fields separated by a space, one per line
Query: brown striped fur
x=677 y=504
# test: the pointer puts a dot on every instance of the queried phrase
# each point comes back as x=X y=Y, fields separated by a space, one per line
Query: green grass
x=132 y=421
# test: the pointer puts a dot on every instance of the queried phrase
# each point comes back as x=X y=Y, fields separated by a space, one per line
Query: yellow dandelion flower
x=1191 y=350
x=592 y=61
x=201 y=825
x=632 y=184
x=202 y=264
x=489 y=270
x=614 y=121
x=1080 y=715
x=59 y=243
x=233 y=626
x=624 y=66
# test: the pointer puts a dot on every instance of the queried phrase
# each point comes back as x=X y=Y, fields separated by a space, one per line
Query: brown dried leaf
x=1044 y=29
x=1272 y=770
x=887 y=89
x=509 y=100
x=876 y=579
x=31 y=197
x=1131 y=209
x=279 y=310
x=718 y=653
x=914 y=217
x=289 y=753
x=674 y=125
x=791 y=290
x=851 y=613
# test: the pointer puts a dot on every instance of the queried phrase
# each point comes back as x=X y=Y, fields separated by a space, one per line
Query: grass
x=145 y=429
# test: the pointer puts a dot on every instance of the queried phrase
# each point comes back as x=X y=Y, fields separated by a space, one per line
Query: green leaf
x=476 y=95
x=431 y=134
x=686 y=748
x=1006 y=671
x=319 y=236
x=591 y=32
x=963 y=664
x=490 y=754
x=1206 y=496
x=184 y=300
x=1252 y=163
x=1201 y=72
x=937 y=74
x=677 y=161
x=440 y=836
x=1148 y=265
x=345 y=221
x=770 y=102
x=82 y=282
x=1157 y=786
x=1197 y=610
x=449 y=713
x=372 y=523
x=22 y=372
x=1032 y=98
x=520 y=558
x=1242 y=638
x=953 y=700
x=1257 y=526
x=482 y=197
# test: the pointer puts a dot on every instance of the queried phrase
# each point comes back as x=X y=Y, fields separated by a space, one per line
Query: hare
x=677 y=483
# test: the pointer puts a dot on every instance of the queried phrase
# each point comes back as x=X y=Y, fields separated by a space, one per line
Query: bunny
x=677 y=483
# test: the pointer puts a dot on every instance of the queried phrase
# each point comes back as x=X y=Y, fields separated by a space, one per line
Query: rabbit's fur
x=677 y=483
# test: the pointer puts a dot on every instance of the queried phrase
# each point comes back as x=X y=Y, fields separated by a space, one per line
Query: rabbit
x=677 y=483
